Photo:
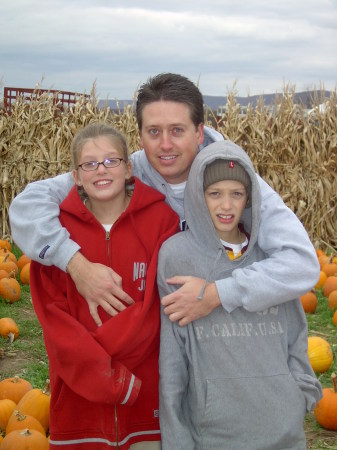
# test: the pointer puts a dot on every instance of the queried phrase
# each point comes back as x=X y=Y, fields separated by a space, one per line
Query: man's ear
x=201 y=133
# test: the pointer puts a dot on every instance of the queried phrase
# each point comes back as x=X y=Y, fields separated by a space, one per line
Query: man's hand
x=99 y=285
x=184 y=306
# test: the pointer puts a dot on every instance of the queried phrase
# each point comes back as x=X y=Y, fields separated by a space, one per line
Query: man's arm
x=35 y=225
x=36 y=229
x=290 y=269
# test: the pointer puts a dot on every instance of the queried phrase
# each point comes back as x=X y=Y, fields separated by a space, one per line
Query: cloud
x=119 y=44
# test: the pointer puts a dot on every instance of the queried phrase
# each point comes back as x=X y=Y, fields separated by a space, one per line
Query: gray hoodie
x=233 y=381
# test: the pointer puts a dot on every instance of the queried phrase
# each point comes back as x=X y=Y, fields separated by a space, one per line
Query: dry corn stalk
x=295 y=154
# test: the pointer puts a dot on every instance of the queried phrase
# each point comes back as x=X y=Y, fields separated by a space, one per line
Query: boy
x=241 y=380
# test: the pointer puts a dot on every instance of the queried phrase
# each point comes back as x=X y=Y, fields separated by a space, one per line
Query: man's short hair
x=171 y=87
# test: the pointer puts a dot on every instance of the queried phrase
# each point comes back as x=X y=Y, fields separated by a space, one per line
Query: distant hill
x=306 y=98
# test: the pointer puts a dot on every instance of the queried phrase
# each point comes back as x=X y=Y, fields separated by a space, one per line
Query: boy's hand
x=99 y=285
x=183 y=304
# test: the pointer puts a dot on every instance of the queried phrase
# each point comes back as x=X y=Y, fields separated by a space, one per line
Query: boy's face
x=226 y=201
x=170 y=139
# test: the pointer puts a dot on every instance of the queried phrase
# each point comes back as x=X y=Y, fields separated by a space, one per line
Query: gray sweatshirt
x=37 y=231
x=238 y=381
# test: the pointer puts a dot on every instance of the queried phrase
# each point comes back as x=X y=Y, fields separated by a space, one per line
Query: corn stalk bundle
x=295 y=153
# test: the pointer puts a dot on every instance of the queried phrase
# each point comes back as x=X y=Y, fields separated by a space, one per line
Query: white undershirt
x=107 y=226
x=235 y=247
x=178 y=188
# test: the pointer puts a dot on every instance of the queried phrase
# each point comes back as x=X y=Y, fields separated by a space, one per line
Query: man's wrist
x=212 y=296
x=74 y=262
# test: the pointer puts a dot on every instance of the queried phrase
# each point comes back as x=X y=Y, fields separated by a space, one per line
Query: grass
x=27 y=357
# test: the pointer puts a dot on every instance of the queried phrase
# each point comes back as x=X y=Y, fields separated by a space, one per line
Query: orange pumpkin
x=14 y=388
x=309 y=302
x=25 y=439
x=5 y=244
x=3 y=273
x=334 y=318
x=332 y=300
x=321 y=280
x=326 y=409
x=36 y=403
x=20 y=421
x=7 y=407
x=319 y=252
x=10 y=289
x=330 y=269
x=323 y=259
x=329 y=286
x=320 y=354
x=25 y=274
x=8 y=265
x=9 y=329
x=4 y=252
x=23 y=260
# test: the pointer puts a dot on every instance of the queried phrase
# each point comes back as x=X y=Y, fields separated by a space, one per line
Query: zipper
x=107 y=238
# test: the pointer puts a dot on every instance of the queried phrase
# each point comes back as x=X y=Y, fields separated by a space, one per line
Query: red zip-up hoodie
x=104 y=380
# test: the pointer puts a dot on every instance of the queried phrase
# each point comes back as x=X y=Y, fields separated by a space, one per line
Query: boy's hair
x=95 y=130
x=171 y=87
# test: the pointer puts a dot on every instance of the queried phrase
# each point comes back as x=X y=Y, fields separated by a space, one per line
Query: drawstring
x=201 y=293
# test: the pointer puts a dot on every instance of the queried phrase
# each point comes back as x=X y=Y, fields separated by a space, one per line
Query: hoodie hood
x=197 y=216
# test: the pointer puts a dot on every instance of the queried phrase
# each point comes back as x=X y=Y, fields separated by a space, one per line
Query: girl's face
x=102 y=184
x=226 y=201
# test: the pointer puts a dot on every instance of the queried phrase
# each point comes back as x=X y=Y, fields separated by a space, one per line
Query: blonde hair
x=95 y=130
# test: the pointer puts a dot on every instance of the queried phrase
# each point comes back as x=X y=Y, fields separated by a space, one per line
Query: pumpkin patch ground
x=26 y=356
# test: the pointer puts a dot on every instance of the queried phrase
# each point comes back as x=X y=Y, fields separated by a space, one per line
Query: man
x=170 y=118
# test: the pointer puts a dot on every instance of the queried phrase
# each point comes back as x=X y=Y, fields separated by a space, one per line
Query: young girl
x=104 y=380
x=230 y=381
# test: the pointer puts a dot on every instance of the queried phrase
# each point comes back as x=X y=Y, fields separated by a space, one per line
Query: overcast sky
x=260 y=46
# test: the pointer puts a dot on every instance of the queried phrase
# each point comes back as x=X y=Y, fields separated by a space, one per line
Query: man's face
x=170 y=139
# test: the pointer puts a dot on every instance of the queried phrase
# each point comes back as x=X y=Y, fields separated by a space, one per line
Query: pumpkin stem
x=19 y=415
x=11 y=337
x=334 y=381
x=46 y=389
x=26 y=432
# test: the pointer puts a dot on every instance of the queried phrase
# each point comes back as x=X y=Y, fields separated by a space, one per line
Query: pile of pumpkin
x=319 y=350
x=24 y=415
x=13 y=271
x=327 y=282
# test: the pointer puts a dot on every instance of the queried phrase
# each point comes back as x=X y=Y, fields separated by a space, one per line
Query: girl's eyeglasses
x=109 y=163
